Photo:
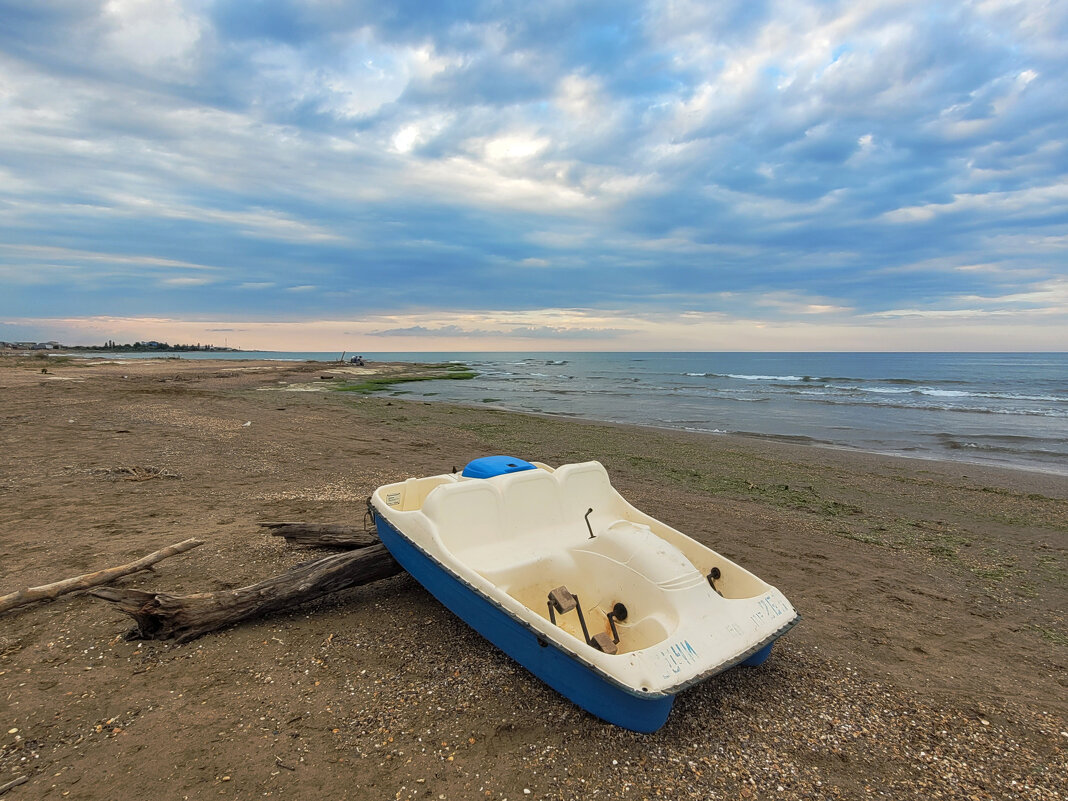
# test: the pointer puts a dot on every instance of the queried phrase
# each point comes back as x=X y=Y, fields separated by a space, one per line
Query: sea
x=1006 y=409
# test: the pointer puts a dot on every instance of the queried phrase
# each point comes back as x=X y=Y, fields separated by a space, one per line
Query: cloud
x=422 y=331
x=549 y=332
x=334 y=160
x=173 y=32
x=522 y=332
x=186 y=281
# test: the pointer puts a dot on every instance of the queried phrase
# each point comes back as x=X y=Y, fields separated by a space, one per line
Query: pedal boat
x=610 y=607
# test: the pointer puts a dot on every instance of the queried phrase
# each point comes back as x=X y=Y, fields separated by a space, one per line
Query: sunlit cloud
x=186 y=281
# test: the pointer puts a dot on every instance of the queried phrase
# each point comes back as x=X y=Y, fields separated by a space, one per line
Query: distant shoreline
x=138 y=349
x=67 y=350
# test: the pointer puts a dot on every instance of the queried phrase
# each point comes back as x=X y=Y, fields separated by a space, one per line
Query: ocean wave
x=530 y=361
x=934 y=392
x=1011 y=396
x=583 y=392
x=853 y=382
x=986 y=447
x=1018 y=439
x=938 y=407
x=908 y=382
x=748 y=396
x=874 y=390
x=741 y=377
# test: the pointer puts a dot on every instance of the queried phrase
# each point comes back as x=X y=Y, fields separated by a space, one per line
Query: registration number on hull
x=768 y=608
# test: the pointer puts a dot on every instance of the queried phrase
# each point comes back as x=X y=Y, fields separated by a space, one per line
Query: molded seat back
x=586 y=486
x=466 y=514
x=513 y=518
x=531 y=505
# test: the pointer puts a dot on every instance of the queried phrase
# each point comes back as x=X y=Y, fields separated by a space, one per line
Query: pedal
x=602 y=642
x=562 y=599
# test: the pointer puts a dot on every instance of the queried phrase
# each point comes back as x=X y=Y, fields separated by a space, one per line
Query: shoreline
x=911 y=452
x=931 y=657
x=801 y=442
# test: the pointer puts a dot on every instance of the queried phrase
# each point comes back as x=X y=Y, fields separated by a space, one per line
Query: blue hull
x=556 y=668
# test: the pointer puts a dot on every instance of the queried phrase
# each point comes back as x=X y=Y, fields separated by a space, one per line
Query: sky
x=549 y=176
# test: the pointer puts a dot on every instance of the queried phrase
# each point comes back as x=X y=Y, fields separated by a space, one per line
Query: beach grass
x=1052 y=636
x=425 y=372
x=41 y=359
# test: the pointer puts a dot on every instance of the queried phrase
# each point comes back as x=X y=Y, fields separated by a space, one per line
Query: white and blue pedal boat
x=612 y=608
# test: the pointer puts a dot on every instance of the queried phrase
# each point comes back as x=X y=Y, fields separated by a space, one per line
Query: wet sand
x=930 y=660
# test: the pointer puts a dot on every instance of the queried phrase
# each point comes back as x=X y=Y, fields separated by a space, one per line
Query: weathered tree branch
x=322 y=535
x=13 y=783
x=162 y=616
x=51 y=591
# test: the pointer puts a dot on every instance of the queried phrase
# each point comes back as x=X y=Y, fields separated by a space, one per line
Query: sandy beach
x=930 y=662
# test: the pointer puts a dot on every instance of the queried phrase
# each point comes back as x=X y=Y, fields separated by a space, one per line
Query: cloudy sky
x=679 y=175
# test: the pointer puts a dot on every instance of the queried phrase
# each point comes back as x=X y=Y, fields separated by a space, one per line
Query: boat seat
x=466 y=514
x=518 y=518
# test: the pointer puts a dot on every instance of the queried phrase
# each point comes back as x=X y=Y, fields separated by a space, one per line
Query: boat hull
x=555 y=667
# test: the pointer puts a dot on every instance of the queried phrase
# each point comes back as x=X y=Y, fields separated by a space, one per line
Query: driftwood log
x=13 y=783
x=162 y=616
x=322 y=535
x=48 y=592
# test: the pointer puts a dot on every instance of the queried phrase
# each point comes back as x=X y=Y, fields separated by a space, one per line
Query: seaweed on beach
x=377 y=383
x=429 y=372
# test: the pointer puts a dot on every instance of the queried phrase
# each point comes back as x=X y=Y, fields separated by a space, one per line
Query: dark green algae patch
x=418 y=372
